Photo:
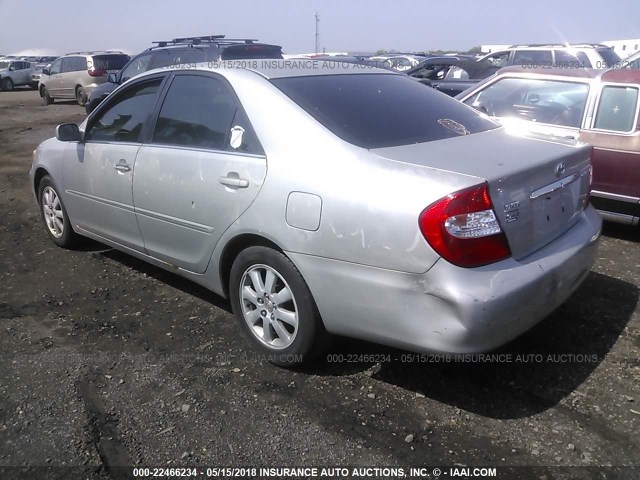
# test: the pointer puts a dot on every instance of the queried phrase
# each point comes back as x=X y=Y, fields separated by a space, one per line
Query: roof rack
x=203 y=40
x=96 y=52
x=561 y=45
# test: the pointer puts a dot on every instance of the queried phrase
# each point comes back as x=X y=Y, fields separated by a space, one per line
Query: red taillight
x=463 y=229
x=97 y=72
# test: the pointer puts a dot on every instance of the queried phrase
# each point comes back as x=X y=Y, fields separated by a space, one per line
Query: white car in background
x=399 y=63
x=14 y=73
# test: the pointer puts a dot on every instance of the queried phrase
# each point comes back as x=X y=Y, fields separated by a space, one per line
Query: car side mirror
x=68 y=132
x=112 y=78
x=12 y=68
x=45 y=71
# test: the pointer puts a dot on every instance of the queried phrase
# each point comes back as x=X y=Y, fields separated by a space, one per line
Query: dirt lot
x=109 y=361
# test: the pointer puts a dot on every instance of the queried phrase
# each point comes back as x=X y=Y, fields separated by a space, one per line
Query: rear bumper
x=448 y=308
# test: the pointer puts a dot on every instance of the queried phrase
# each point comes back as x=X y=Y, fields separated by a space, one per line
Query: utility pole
x=317 y=33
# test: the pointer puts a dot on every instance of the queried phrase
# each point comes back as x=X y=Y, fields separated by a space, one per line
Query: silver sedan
x=328 y=199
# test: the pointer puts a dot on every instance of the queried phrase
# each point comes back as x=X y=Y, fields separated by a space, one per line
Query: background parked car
x=40 y=64
x=185 y=51
x=451 y=74
x=75 y=75
x=583 y=104
x=14 y=73
x=632 y=61
x=583 y=55
x=398 y=62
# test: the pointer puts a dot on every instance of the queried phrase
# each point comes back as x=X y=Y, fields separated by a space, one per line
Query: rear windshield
x=110 y=62
x=382 y=110
x=239 y=52
x=609 y=57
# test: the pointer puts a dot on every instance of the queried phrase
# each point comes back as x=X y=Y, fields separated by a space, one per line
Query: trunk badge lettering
x=560 y=169
x=512 y=211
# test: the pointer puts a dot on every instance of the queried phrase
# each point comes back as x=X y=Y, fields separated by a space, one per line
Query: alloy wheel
x=268 y=306
x=52 y=210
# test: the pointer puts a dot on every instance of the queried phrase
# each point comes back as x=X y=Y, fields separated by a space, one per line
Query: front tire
x=55 y=215
x=275 y=307
x=46 y=98
x=6 y=84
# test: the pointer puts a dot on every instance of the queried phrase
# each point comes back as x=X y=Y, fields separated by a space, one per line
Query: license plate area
x=556 y=204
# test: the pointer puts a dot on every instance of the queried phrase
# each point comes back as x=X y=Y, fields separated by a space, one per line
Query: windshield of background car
x=4 y=65
x=542 y=101
x=609 y=57
x=136 y=66
x=110 y=62
x=382 y=110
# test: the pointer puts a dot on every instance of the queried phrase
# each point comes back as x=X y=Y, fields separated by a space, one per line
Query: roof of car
x=588 y=73
x=97 y=52
x=560 y=45
x=308 y=67
x=620 y=75
x=283 y=68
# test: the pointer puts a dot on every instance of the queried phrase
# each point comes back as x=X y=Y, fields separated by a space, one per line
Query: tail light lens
x=463 y=229
x=97 y=72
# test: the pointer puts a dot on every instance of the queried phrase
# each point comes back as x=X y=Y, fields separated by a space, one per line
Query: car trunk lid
x=538 y=186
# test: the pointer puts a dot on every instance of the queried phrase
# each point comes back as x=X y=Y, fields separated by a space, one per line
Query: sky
x=345 y=25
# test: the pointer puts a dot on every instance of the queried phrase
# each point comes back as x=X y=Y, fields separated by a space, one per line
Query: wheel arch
x=233 y=248
x=41 y=172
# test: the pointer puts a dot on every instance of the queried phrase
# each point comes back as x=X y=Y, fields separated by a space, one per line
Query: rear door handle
x=122 y=166
x=234 y=182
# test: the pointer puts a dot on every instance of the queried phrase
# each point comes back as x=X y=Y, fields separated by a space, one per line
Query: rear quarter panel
x=369 y=205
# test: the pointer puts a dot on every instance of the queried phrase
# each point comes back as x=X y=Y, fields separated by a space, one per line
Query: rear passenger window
x=80 y=63
x=617 y=109
x=533 y=58
x=565 y=59
x=198 y=112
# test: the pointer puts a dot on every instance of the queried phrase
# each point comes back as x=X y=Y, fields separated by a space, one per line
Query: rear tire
x=46 y=98
x=55 y=216
x=6 y=84
x=275 y=307
x=81 y=96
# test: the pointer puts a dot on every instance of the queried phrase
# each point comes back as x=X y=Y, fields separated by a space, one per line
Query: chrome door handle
x=122 y=166
x=234 y=182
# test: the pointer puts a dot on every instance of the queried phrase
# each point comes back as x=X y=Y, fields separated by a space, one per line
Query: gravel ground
x=108 y=361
